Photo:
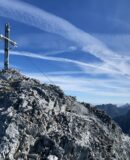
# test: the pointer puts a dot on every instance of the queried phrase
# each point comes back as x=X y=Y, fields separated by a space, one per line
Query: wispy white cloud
x=50 y=58
x=93 y=68
x=89 y=86
x=86 y=67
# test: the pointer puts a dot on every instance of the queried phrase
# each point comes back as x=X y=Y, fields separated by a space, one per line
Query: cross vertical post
x=6 y=55
x=7 y=43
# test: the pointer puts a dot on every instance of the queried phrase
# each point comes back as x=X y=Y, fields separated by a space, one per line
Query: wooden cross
x=7 y=43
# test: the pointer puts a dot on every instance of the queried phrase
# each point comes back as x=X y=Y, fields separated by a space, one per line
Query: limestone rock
x=39 y=122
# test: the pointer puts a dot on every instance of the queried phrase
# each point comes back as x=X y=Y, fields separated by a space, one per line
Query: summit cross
x=7 y=43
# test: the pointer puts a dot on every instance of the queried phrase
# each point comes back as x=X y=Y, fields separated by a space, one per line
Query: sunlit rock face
x=39 y=122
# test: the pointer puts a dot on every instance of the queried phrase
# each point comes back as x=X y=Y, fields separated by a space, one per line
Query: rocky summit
x=39 y=122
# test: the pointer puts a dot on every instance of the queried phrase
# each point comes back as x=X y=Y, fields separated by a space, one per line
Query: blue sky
x=81 y=45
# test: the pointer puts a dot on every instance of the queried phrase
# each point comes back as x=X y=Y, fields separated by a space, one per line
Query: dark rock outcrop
x=39 y=122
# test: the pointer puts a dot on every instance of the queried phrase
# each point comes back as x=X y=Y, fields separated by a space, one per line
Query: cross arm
x=9 y=40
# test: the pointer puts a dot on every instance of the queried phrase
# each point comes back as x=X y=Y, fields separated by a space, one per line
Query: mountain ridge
x=112 y=109
x=38 y=121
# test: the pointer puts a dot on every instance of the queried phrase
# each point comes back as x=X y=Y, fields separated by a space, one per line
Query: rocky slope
x=39 y=122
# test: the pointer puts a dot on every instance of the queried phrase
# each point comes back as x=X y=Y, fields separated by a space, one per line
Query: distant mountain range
x=124 y=122
x=114 y=111
x=120 y=115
